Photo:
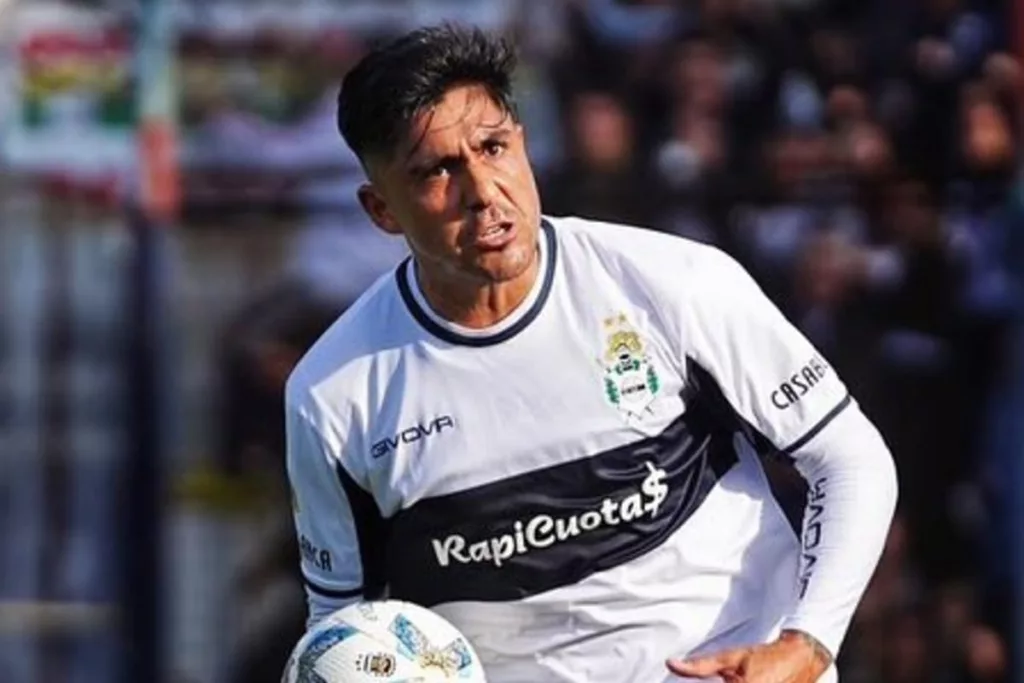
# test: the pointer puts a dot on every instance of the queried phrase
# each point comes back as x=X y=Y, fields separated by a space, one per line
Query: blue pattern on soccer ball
x=460 y=649
x=412 y=643
x=323 y=642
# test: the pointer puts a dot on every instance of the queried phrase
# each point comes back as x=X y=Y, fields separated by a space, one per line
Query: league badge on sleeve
x=630 y=381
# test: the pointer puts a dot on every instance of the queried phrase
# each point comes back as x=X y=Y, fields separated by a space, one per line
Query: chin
x=505 y=266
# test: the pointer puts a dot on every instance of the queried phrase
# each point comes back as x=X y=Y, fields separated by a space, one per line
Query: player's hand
x=794 y=658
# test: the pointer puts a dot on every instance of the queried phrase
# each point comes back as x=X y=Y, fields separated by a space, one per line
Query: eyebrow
x=500 y=131
x=420 y=166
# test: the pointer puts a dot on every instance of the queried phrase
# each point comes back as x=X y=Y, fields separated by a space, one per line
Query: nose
x=478 y=188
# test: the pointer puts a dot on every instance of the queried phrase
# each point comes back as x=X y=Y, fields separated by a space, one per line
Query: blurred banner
x=157 y=94
x=74 y=77
x=74 y=108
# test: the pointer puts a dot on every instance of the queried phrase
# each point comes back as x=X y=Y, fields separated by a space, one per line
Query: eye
x=437 y=171
x=494 y=148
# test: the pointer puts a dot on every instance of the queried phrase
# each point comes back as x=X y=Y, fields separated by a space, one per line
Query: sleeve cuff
x=816 y=429
x=331 y=592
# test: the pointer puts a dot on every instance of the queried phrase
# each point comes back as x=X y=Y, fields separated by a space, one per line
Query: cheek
x=434 y=204
x=517 y=177
x=434 y=199
x=436 y=230
x=435 y=241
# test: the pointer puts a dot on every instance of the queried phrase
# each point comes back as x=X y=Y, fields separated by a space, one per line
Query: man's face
x=461 y=190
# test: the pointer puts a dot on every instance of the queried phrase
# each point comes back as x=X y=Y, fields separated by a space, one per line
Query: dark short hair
x=398 y=80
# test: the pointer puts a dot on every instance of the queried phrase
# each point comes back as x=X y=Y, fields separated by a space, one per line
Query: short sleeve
x=334 y=519
x=772 y=376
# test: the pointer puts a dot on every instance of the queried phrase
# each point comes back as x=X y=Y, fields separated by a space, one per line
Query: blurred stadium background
x=178 y=220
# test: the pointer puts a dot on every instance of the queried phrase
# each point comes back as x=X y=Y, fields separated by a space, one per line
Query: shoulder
x=329 y=382
x=667 y=263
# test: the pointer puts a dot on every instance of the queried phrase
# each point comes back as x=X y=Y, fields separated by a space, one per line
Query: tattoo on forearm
x=821 y=653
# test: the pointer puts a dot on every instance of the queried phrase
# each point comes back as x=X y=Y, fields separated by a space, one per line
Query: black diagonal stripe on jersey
x=694 y=452
x=371 y=532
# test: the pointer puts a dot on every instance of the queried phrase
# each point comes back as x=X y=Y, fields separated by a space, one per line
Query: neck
x=473 y=304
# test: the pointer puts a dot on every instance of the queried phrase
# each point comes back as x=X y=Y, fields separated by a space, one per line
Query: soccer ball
x=387 y=641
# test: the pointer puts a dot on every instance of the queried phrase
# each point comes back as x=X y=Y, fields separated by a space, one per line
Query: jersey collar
x=503 y=331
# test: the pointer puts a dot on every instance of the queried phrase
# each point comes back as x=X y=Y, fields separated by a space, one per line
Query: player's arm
x=780 y=385
x=332 y=517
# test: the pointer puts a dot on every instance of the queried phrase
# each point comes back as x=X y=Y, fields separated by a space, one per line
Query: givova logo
x=543 y=531
x=411 y=435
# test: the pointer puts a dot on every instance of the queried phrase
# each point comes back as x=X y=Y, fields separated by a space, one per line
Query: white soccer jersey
x=578 y=489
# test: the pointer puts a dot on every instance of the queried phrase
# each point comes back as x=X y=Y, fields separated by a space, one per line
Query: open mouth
x=496 y=236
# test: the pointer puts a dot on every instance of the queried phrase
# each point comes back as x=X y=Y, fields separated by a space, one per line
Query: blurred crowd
x=859 y=157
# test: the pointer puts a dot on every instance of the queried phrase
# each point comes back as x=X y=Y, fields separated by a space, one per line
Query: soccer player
x=550 y=430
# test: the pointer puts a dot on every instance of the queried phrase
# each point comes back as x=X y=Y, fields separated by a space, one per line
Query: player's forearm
x=851 y=502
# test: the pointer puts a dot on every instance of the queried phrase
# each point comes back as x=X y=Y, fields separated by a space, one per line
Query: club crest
x=380 y=664
x=630 y=380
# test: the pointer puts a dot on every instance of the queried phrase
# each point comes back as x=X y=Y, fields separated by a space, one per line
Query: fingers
x=719 y=664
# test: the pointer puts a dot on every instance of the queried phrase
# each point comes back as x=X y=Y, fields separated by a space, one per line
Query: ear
x=376 y=208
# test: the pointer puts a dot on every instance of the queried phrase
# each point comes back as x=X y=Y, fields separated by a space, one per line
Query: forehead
x=463 y=112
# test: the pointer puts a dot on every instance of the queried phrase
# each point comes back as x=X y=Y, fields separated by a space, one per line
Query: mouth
x=495 y=236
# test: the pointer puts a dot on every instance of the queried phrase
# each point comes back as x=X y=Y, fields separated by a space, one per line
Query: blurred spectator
x=603 y=177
